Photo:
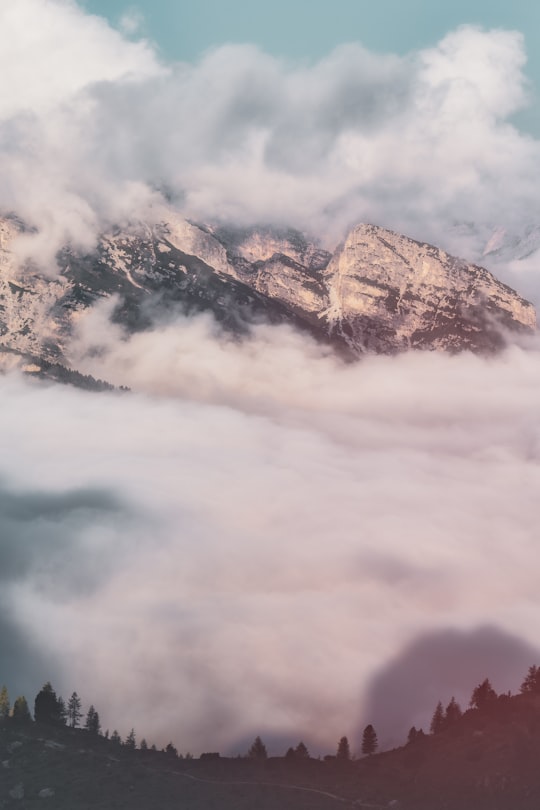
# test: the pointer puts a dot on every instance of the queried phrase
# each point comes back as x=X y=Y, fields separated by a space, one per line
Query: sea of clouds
x=260 y=539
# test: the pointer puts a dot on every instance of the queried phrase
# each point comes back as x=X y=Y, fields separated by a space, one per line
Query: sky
x=310 y=29
x=259 y=539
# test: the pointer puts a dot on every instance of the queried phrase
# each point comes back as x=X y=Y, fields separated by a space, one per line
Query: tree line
x=51 y=709
x=483 y=697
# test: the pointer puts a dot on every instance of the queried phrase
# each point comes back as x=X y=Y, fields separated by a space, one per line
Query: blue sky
x=309 y=29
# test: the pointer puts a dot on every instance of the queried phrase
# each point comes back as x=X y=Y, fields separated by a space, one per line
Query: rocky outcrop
x=380 y=291
x=388 y=292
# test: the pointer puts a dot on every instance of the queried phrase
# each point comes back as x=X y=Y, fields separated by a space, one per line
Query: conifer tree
x=170 y=750
x=301 y=751
x=61 y=711
x=74 y=713
x=531 y=682
x=92 y=723
x=369 y=741
x=453 y=713
x=258 y=749
x=343 y=750
x=412 y=735
x=47 y=707
x=483 y=695
x=21 y=712
x=144 y=745
x=116 y=738
x=4 y=703
x=130 y=740
x=437 y=721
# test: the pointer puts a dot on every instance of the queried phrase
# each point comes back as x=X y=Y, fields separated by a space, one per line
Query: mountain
x=379 y=291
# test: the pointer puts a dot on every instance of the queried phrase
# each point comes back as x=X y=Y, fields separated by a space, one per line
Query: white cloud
x=91 y=124
x=304 y=521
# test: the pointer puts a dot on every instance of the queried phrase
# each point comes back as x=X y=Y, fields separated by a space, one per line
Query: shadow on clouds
x=437 y=666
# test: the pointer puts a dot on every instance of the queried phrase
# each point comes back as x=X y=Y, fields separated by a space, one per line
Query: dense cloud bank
x=93 y=129
x=245 y=543
x=298 y=522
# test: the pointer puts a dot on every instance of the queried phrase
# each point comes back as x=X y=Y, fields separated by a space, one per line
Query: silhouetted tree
x=4 y=703
x=483 y=695
x=258 y=749
x=531 y=682
x=92 y=723
x=130 y=740
x=412 y=735
x=74 y=713
x=47 y=707
x=453 y=713
x=21 y=712
x=437 y=721
x=290 y=753
x=170 y=750
x=369 y=740
x=116 y=738
x=301 y=752
x=62 y=711
x=144 y=745
x=343 y=750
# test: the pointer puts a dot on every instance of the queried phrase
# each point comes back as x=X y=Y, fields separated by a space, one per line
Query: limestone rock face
x=388 y=292
x=380 y=291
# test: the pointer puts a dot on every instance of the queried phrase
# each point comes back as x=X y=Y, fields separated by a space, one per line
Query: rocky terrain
x=379 y=291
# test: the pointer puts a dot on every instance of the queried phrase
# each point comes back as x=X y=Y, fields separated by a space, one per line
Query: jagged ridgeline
x=379 y=291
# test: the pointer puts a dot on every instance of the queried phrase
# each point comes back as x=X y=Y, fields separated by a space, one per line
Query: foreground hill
x=379 y=291
x=487 y=760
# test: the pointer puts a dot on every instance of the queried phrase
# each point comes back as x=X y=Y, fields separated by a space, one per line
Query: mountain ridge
x=379 y=291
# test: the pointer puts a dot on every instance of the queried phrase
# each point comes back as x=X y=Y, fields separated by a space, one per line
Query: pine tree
x=532 y=681
x=301 y=751
x=116 y=738
x=130 y=740
x=144 y=745
x=343 y=750
x=258 y=749
x=21 y=712
x=74 y=713
x=483 y=695
x=92 y=723
x=369 y=741
x=4 y=703
x=453 y=713
x=412 y=735
x=437 y=721
x=62 y=711
x=47 y=707
x=170 y=750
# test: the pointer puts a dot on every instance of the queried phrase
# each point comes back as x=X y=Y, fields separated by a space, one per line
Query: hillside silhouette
x=484 y=757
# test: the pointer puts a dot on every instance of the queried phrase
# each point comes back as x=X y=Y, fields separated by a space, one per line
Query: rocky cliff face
x=388 y=292
x=379 y=291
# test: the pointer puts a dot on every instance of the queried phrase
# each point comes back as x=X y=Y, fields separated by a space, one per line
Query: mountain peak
x=379 y=291
x=389 y=292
